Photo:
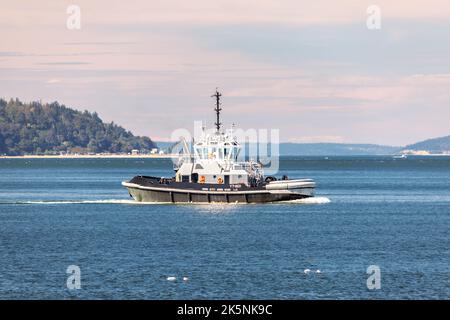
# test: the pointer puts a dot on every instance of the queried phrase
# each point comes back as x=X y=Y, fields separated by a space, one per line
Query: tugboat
x=212 y=173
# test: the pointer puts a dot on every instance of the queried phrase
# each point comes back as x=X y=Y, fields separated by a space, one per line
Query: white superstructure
x=214 y=159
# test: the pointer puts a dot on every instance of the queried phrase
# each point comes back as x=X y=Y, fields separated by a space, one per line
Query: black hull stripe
x=193 y=191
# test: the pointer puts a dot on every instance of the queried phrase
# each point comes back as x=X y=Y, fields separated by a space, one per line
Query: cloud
x=53 y=81
x=63 y=63
x=225 y=12
x=99 y=43
x=10 y=54
x=437 y=78
x=314 y=139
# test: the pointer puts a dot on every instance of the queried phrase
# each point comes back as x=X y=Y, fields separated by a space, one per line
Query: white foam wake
x=312 y=200
x=107 y=201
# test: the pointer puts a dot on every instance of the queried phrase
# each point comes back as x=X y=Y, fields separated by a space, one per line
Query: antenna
x=217 y=95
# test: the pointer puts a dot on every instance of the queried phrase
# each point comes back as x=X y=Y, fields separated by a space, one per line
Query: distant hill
x=322 y=149
x=338 y=149
x=436 y=145
x=164 y=145
x=36 y=128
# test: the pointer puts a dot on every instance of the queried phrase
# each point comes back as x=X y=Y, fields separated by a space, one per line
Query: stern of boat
x=301 y=188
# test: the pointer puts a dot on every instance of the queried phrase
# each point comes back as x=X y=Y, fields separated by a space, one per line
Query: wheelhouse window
x=227 y=152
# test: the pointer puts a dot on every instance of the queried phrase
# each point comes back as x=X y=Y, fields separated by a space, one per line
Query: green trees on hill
x=36 y=128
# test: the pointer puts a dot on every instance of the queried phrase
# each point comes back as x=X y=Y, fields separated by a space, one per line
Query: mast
x=217 y=95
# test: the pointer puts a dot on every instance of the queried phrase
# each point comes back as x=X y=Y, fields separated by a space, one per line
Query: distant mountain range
x=439 y=145
x=431 y=146
x=338 y=149
x=322 y=149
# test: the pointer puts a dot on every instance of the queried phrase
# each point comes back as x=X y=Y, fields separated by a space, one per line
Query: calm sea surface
x=393 y=213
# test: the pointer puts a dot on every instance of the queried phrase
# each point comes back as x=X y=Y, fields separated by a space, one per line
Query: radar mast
x=217 y=95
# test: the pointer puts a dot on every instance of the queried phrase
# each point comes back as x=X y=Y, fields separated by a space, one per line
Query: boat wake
x=312 y=200
x=107 y=201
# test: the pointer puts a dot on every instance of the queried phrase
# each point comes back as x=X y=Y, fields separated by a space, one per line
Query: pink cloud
x=105 y=12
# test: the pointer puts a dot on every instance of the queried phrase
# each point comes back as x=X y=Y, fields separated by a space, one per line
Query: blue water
x=394 y=213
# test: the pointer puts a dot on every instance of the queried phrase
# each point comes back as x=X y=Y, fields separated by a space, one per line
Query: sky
x=312 y=69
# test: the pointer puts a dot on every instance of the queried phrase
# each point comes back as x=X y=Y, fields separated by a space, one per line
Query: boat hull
x=172 y=195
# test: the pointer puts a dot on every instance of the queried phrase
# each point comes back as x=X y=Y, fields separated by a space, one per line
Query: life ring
x=219 y=180
x=202 y=179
